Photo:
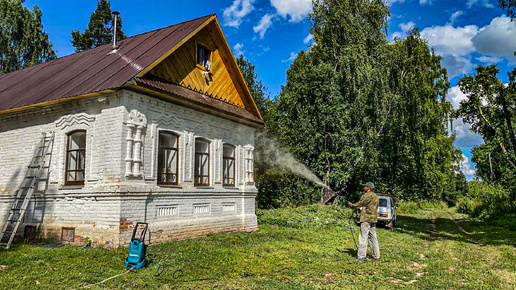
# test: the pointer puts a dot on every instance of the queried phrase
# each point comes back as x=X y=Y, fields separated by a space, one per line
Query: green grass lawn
x=303 y=248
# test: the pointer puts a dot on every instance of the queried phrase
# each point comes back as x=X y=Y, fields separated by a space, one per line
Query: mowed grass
x=303 y=248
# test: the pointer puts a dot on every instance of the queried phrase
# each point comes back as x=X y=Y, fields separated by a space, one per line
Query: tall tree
x=357 y=108
x=509 y=6
x=256 y=88
x=327 y=109
x=489 y=108
x=486 y=108
x=22 y=40
x=100 y=28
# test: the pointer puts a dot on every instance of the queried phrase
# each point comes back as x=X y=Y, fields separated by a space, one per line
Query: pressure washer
x=137 y=248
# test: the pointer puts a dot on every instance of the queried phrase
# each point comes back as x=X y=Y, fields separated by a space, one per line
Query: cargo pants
x=368 y=230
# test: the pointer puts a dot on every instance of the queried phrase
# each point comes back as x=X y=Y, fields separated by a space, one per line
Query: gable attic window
x=202 y=162
x=75 y=158
x=203 y=57
x=168 y=161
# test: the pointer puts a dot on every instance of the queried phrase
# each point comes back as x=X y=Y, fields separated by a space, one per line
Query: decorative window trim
x=68 y=150
x=198 y=170
x=229 y=207
x=227 y=181
x=177 y=149
x=202 y=208
x=163 y=211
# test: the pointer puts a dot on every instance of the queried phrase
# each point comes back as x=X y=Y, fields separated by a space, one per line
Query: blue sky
x=271 y=32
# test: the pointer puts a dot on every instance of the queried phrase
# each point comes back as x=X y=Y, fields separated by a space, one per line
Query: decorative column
x=133 y=160
x=129 y=150
x=137 y=156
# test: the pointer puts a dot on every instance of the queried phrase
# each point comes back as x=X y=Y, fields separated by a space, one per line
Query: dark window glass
x=75 y=158
x=203 y=55
x=168 y=161
x=202 y=162
x=383 y=202
x=228 y=160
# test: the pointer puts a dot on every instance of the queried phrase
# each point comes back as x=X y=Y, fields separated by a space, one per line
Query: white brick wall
x=110 y=202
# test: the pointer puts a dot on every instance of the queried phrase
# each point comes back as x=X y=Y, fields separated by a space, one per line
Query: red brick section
x=125 y=225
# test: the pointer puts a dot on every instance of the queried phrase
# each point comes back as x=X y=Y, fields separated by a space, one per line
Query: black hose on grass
x=351 y=216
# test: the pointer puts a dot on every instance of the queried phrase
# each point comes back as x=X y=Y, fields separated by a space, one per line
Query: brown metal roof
x=196 y=97
x=93 y=70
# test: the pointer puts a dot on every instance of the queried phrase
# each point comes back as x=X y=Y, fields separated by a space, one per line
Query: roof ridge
x=99 y=48
x=166 y=27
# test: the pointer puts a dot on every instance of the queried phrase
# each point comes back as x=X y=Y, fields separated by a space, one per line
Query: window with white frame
x=228 y=162
x=249 y=165
x=168 y=161
x=75 y=158
x=202 y=162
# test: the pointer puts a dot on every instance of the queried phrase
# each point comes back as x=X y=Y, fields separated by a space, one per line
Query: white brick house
x=149 y=131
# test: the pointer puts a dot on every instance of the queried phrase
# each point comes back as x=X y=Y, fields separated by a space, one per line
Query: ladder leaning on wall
x=40 y=161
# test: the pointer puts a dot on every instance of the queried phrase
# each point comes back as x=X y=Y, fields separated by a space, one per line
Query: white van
x=387 y=214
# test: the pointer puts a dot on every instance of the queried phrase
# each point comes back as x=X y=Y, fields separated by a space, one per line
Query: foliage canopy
x=22 y=40
x=100 y=29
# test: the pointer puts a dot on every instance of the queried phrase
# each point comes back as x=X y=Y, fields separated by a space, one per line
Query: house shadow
x=460 y=230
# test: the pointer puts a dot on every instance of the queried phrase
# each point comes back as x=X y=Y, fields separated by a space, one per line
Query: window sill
x=63 y=187
x=170 y=185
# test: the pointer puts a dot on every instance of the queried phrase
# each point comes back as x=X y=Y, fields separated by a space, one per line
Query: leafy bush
x=468 y=205
x=280 y=188
x=495 y=200
x=487 y=201
x=433 y=204
x=312 y=216
x=408 y=207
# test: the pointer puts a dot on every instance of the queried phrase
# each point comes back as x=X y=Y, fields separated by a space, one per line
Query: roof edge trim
x=179 y=44
x=58 y=101
x=134 y=85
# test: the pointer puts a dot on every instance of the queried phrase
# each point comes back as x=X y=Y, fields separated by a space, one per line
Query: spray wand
x=351 y=216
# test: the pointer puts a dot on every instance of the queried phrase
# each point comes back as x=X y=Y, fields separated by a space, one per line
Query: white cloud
x=239 y=9
x=455 y=46
x=455 y=95
x=264 y=24
x=489 y=59
x=296 y=9
x=497 y=39
x=425 y=2
x=465 y=166
x=448 y=40
x=308 y=38
x=483 y=3
x=390 y=2
x=457 y=65
x=405 y=27
x=238 y=49
x=455 y=15
x=464 y=137
x=293 y=56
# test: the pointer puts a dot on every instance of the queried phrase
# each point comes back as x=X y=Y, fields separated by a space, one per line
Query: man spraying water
x=368 y=219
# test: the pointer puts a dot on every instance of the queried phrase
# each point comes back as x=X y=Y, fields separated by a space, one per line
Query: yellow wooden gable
x=223 y=81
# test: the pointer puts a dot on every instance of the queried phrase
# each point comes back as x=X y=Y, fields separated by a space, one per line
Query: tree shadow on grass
x=462 y=230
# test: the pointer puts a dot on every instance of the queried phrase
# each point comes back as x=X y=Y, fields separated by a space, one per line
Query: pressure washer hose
x=353 y=214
